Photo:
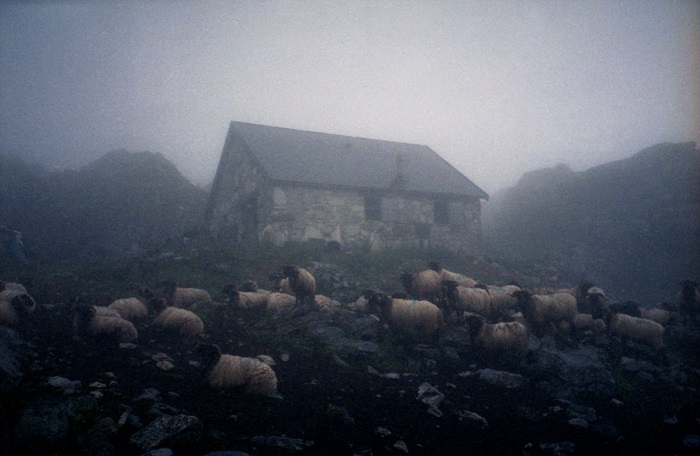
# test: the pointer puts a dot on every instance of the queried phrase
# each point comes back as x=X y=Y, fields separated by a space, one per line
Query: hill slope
x=101 y=209
x=632 y=226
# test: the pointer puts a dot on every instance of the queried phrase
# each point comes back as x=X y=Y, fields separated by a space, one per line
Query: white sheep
x=579 y=292
x=421 y=317
x=586 y=322
x=87 y=323
x=461 y=299
x=422 y=285
x=504 y=338
x=245 y=299
x=229 y=371
x=596 y=304
x=174 y=320
x=662 y=316
x=277 y=301
x=325 y=304
x=637 y=329
x=12 y=286
x=301 y=282
x=133 y=309
x=445 y=274
x=185 y=298
x=15 y=306
x=689 y=302
x=502 y=298
x=543 y=312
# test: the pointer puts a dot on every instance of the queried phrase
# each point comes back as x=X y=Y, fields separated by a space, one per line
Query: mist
x=495 y=88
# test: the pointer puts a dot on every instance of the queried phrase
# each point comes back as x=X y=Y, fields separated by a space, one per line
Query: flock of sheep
x=499 y=319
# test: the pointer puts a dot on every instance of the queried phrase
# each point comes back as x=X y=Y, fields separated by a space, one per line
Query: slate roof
x=320 y=158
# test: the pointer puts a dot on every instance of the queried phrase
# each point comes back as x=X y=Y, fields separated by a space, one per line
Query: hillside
x=121 y=200
x=632 y=226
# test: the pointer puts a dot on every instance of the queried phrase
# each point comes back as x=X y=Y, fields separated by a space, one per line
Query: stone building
x=278 y=185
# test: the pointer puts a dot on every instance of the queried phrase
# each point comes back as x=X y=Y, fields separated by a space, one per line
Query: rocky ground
x=349 y=386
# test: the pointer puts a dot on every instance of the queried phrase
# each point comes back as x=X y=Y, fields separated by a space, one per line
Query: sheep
x=422 y=285
x=228 y=371
x=280 y=284
x=12 y=286
x=505 y=338
x=578 y=292
x=630 y=308
x=421 y=317
x=637 y=329
x=689 y=302
x=586 y=322
x=662 y=316
x=104 y=311
x=462 y=299
x=301 y=282
x=249 y=286
x=245 y=299
x=543 y=311
x=87 y=323
x=15 y=305
x=174 y=320
x=595 y=303
x=325 y=304
x=133 y=309
x=449 y=275
x=184 y=298
x=502 y=298
x=280 y=302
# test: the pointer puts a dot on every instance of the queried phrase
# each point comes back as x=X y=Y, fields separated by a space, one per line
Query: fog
x=496 y=88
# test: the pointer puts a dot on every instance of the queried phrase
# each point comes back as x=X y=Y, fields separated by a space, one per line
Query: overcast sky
x=497 y=88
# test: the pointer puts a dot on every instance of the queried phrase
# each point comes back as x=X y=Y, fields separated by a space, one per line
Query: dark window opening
x=441 y=213
x=373 y=207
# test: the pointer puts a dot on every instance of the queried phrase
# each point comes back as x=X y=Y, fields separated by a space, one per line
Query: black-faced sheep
x=509 y=339
x=461 y=299
x=228 y=371
x=245 y=299
x=630 y=308
x=185 y=298
x=301 y=282
x=280 y=284
x=689 y=302
x=174 y=320
x=422 y=285
x=662 y=316
x=579 y=292
x=586 y=322
x=420 y=317
x=280 y=302
x=133 y=309
x=596 y=304
x=449 y=275
x=15 y=306
x=546 y=312
x=502 y=298
x=86 y=323
x=637 y=329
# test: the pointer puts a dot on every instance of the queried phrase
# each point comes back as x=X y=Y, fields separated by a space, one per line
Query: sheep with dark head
x=15 y=307
x=176 y=322
x=596 y=304
x=445 y=274
x=579 y=292
x=637 y=329
x=545 y=313
x=228 y=371
x=504 y=338
x=245 y=299
x=185 y=298
x=86 y=323
x=411 y=316
x=460 y=299
x=133 y=309
x=301 y=282
x=422 y=285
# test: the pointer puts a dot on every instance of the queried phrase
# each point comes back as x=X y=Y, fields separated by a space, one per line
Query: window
x=373 y=207
x=441 y=212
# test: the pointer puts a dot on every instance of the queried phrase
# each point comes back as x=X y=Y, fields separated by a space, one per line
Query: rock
x=286 y=443
x=227 y=453
x=430 y=395
x=161 y=429
x=63 y=383
x=501 y=378
x=468 y=415
x=691 y=441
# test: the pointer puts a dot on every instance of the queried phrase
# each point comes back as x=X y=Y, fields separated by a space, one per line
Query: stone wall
x=299 y=213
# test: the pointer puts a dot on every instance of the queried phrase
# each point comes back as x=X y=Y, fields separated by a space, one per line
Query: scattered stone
x=430 y=395
x=267 y=360
x=466 y=414
x=391 y=375
x=286 y=443
x=691 y=441
x=161 y=429
x=401 y=446
x=165 y=365
x=64 y=384
x=384 y=432
x=97 y=385
x=284 y=357
x=501 y=378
